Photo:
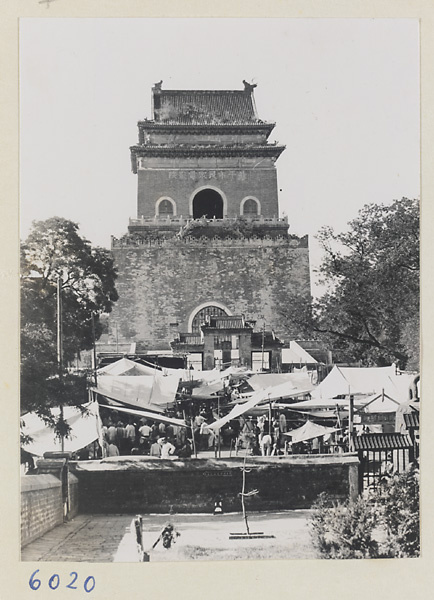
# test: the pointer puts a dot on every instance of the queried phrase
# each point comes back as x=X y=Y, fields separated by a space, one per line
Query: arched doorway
x=208 y=203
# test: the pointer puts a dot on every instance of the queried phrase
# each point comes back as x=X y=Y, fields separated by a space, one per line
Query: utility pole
x=263 y=343
x=94 y=350
x=60 y=351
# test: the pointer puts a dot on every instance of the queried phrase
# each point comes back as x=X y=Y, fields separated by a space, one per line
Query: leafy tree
x=54 y=249
x=370 y=312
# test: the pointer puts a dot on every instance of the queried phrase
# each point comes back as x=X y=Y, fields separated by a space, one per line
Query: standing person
x=266 y=444
x=248 y=433
x=282 y=423
x=112 y=450
x=130 y=436
x=155 y=450
x=276 y=430
x=260 y=425
x=315 y=445
x=167 y=449
x=185 y=451
x=111 y=434
x=145 y=430
x=121 y=437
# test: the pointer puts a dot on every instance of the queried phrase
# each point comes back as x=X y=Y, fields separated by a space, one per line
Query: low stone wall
x=41 y=506
x=141 y=484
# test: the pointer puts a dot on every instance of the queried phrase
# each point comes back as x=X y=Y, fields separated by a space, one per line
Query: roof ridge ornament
x=249 y=87
x=157 y=86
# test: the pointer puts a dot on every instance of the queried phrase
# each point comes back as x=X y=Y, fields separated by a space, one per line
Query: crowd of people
x=259 y=436
x=144 y=437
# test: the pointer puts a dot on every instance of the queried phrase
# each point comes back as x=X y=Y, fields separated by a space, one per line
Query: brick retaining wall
x=41 y=506
x=146 y=485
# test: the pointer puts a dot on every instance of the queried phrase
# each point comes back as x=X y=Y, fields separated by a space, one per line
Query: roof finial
x=157 y=86
x=249 y=87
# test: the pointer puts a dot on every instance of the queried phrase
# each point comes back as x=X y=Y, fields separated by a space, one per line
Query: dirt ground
x=111 y=538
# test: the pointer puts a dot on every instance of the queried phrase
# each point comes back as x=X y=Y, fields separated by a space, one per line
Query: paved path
x=111 y=538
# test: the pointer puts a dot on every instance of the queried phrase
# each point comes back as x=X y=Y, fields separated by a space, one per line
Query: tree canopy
x=370 y=312
x=54 y=249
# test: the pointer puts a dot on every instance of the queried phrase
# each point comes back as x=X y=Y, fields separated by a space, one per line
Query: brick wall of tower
x=181 y=183
x=160 y=285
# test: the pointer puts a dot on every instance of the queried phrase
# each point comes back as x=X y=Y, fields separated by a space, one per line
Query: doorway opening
x=209 y=204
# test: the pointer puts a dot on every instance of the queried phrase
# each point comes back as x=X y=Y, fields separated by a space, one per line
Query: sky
x=344 y=94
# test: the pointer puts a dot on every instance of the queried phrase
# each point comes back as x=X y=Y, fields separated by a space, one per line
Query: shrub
x=344 y=530
x=399 y=512
x=349 y=529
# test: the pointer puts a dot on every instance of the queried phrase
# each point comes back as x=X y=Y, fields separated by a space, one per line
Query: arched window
x=165 y=208
x=250 y=207
x=201 y=316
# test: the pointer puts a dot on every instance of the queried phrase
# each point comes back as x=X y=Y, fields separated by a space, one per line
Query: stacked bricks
x=163 y=283
x=41 y=506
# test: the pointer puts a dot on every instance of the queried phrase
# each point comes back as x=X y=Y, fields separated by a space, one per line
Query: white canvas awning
x=147 y=392
x=147 y=415
x=85 y=429
x=308 y=431
x=365 y=380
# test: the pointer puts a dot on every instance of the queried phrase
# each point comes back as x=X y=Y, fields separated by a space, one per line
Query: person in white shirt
x=167 y=449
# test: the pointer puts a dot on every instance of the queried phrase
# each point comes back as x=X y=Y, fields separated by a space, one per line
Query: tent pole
x=192 y=435
x=242 y=494
x=351 y=422
x=218 y=430
x=94 y=350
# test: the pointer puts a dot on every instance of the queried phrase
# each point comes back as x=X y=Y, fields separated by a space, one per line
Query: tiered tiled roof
x=204 y=107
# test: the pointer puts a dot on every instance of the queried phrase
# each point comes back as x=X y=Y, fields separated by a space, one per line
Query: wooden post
x=194 y=441
x=218 y=430
x=94 y=350
x=269 y=418
x=350 y=422
x=242 y=495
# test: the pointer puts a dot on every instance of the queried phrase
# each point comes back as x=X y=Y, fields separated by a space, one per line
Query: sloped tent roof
x=216 y=376
x=364 y=380
x=308 y=431
x=379 y=403
x=85 y=429
x=125 y=366
x=295 y=354
x=146 y=392
x=240 y=409
x=290 y=389
x=147 y=415
x=261 y=381
x=205 y=392
x=323 y=408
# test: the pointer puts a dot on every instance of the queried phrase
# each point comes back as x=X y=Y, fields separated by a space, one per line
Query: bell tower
x=205 y=154
x=207 y=241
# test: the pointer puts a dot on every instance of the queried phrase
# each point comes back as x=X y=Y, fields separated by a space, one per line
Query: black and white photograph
x=219 y=312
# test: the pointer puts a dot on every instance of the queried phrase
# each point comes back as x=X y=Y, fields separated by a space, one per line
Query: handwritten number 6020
x=54 y=582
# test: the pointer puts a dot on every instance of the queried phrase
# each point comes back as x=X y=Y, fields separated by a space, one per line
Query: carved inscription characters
x=202 y=174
